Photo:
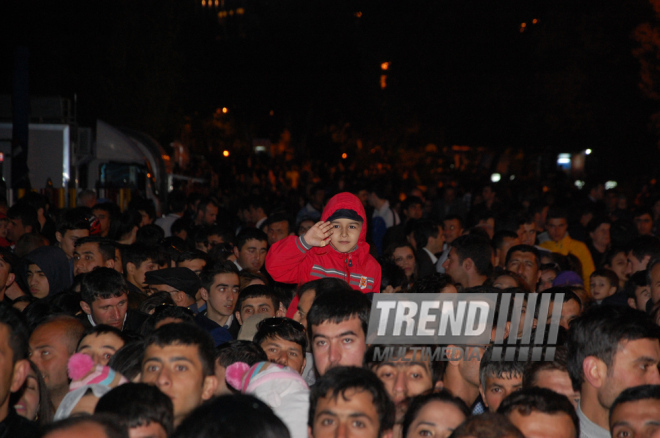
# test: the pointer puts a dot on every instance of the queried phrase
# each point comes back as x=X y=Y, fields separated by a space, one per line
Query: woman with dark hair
x=402 y=254
x=436 y=415
x=32 y=400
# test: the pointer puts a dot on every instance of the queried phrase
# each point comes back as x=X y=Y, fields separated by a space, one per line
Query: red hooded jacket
x=291 y=261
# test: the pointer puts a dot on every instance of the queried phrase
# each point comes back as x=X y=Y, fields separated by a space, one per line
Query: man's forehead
x=111 y=300
x=331 y=327
x=173 y=350
x=254 y=243
x=88 y=247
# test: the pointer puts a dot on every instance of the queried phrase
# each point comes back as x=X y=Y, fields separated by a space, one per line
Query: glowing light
x=358 y=14
x=383 y=81
x=385 y=66
x=148 y=175
x=225 y=153
x=523 y=24
x=579 y=184
x=344 y=156
x=271 y=112
x=564 y=159
x=203 y=2
x=240 y=11
x=512 y=177
x=224 y=110
x=496 y=177
x=587 y=152
x=609 y=185
x=534 y=21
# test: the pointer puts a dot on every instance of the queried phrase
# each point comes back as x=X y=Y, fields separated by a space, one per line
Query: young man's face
x=210 y=214
x=178 y=372
x=415 y=211
x=558 y=381
x=557 y=228
x=138 y=273
x=255 y=306
x=642 y=295
x=454 y=268
x=405 y=379
x=525 y=264
x=104 y=221
x=527 y=234
x=221 y=299
x=497 y=389
x=15 y=229
x=640 y=418
x=195 y=265
x=635 y=363
x=252 y=255
x=335 y=344
x=601 y=288
x=283 y=352
x=110 y=311
x=644 y=224
x=87 y=256
x=67 y=241
x=345 y=234
x=351 y=414
x=37 y=281
x=277 y=231
x=635 y=264
x=537 y=424
x=453 y=229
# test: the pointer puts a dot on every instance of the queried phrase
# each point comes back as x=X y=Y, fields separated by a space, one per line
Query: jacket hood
x=54 y=264
x=348 y=201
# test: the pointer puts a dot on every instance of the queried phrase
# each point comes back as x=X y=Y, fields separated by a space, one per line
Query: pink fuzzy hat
x=83 y=371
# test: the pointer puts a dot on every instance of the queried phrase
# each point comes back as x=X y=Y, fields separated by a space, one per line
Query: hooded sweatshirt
x=55 y=266
x=291 y=260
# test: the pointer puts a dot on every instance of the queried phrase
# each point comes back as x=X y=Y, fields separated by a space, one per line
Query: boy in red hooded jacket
x=334 y=247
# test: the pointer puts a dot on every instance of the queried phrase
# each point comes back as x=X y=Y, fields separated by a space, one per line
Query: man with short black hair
x=220 y=287
x=257 y=211
x=610 y=348
x=430 y=240
x=502 y=242
x=104 y=300
x=541 y=412
x=93 y=252
x=232 y=352
x=142 y=408
x=641 y=251
x=23 y=219
x=176 y=205
x=552 y=375
x=278 y=226
x=179 y=360
x=337 y=328
x=138 y=259
x=7 y=263
x=97 y=426
x=526 y=261
x=636 y=412
x=72 y=225
x=250 y=249
x=284 y=341
x=469 y=260
x=207 y=212
x=350 y=401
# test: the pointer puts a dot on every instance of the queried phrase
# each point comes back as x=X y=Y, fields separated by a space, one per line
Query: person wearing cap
x=181 y=283
x=335 y=247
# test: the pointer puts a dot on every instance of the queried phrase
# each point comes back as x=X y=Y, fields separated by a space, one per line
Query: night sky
x=460 y=72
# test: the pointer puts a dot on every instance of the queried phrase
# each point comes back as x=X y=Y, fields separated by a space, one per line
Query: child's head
x=499 y=377
x=603 y=283
x=346 y=229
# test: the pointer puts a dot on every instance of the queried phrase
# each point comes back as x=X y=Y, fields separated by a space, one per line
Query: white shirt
x=389 y=215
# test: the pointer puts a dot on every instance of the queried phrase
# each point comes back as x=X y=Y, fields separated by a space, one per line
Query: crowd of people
x=249 y=317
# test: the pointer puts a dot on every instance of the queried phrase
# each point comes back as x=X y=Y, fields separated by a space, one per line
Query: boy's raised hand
x=319 y=234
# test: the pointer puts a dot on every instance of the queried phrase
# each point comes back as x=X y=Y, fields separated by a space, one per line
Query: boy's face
x=497 y=389
x=37 y=281
x=255 y=306
x=557 y=228
x=284 y=352
x=345 y=234
x=223 y=294
x=601 y=288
